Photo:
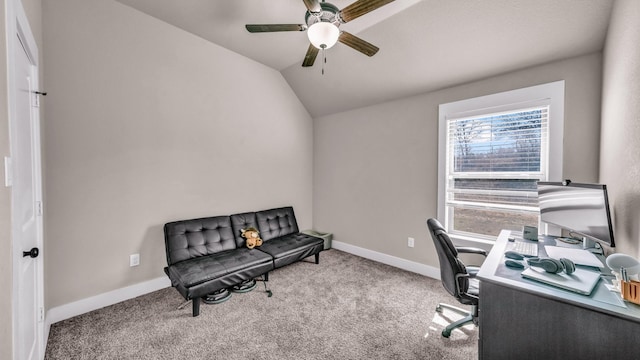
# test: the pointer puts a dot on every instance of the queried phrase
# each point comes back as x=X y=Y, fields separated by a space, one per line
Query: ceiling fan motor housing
x=329 y=13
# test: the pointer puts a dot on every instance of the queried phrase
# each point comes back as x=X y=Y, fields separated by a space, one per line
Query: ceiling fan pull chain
x=324 y=59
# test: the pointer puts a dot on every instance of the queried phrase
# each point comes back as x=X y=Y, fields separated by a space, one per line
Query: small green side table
x=327 y=237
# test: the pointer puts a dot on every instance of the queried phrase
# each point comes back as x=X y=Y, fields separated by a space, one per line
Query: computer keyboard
x=525 y=248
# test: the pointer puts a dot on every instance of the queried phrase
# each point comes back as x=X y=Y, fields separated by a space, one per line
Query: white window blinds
x=510 y=142
x=493 y=164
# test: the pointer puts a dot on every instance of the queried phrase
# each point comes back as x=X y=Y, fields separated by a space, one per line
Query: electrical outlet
x=134 y=260
x=410 y=242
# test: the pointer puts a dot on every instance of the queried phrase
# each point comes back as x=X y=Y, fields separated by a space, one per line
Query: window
x=493 y=151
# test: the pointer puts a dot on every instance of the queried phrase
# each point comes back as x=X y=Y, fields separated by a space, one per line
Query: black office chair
x=458 y=279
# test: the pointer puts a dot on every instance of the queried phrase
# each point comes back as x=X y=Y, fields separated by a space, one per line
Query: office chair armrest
x=472 y=271
x=458 y=276
x=460 y=290
x=471 y=250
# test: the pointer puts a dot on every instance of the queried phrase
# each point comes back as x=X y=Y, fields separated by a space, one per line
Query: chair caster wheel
x=439 y=308
x=269 y=293
x=446 y=333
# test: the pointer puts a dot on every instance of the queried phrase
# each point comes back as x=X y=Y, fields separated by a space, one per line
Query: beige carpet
x=346 y=307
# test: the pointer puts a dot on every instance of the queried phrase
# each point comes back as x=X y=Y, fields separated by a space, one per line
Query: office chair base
x=446 y=332
x=451 y=307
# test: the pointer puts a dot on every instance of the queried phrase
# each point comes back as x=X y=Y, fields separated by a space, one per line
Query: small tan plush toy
x=253 y=237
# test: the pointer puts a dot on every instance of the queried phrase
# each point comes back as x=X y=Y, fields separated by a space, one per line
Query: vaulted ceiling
x=425 y=45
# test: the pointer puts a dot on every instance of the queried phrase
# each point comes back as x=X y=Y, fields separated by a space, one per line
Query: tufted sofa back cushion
x=276 y=222
x=242 y=221
x=188 y=239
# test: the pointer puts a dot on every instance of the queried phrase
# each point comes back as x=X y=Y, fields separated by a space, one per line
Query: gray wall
x=620 y=148
x=122 y=94
x=375 y=168
x=148 y=124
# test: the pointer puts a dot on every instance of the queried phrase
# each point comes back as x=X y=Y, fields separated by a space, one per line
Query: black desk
x=525 y=319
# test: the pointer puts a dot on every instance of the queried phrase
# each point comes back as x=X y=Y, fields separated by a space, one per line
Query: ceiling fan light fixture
x=323 y=35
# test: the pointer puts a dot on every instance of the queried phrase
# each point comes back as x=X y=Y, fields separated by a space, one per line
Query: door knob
x=32 y=253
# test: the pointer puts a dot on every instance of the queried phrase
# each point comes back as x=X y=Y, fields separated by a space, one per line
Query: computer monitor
x=582 y=209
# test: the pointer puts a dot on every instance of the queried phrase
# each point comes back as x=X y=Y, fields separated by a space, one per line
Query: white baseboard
x=80 y=307
x=394 y=261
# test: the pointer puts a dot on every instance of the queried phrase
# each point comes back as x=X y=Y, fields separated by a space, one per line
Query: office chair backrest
x=450 y=265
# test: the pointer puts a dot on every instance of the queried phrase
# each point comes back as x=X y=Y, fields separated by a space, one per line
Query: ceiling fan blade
x=310 y=57
x=257 y=28
x=360 y=8
x=312 y=5
x=358 y=44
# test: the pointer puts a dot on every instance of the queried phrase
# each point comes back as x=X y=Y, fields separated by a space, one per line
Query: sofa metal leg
x=318 y=258
x=265 y=278
x=196 y=306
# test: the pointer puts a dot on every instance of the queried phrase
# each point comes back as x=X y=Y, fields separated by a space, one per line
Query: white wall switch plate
x=410 y=242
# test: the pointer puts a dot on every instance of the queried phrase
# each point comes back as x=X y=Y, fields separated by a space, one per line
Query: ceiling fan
x=322 y=22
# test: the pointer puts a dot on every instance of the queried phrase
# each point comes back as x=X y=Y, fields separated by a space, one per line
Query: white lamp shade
x=323 y=34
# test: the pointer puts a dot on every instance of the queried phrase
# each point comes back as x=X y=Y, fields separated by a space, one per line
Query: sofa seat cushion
x=291 y=248
x=206 y=268
x=239 y=259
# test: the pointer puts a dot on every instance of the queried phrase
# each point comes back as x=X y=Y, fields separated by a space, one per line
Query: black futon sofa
x=208 y=255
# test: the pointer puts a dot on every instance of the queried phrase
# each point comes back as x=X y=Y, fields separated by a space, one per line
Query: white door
x=26 y=199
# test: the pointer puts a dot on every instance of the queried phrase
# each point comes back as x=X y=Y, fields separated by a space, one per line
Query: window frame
x=550 y=94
